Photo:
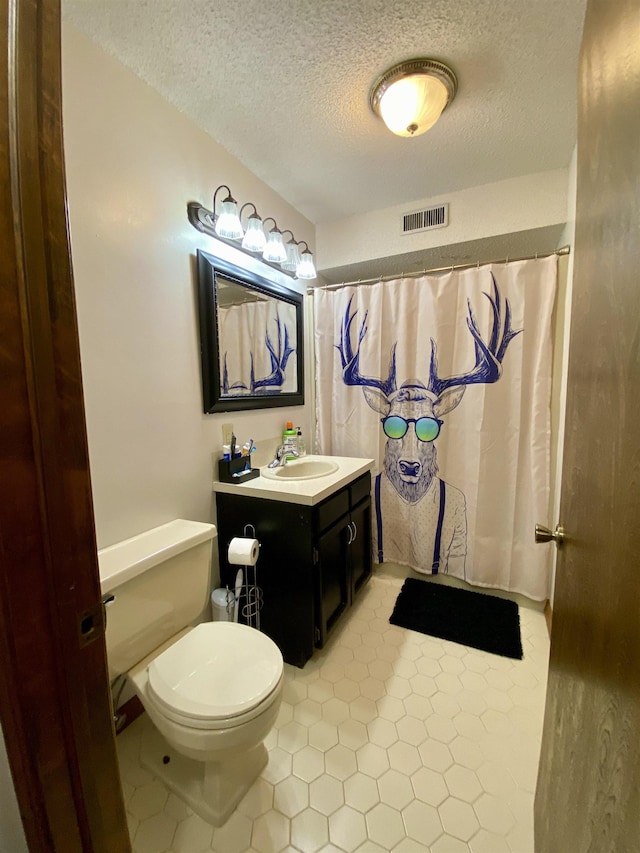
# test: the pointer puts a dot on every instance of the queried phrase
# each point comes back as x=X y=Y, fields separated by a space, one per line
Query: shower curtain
x=255 y=338
x=445 y=381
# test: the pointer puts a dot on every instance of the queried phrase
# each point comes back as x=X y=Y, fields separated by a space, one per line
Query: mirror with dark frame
x=251 y=339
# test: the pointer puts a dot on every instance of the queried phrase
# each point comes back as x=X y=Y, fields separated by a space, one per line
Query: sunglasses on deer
x=427 y=429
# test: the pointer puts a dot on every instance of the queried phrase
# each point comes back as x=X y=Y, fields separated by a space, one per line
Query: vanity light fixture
x=227 y=226
x=254 y=239
x=411 y=96
x=293 y=253
x=306 y=267
x=274 y=251
x=227 y=222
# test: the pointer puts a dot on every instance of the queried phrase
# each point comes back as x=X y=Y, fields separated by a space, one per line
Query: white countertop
x=308 y=492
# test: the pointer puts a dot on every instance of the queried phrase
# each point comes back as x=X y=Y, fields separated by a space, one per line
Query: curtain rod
x=564 y=250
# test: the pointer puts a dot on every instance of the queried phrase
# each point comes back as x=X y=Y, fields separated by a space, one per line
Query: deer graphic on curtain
x=411 y=421
x=279 y=352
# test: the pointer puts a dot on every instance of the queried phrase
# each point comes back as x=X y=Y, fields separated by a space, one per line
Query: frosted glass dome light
x=410 y=97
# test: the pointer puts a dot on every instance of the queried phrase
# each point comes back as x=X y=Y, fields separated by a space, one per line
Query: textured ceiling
x=284 y=86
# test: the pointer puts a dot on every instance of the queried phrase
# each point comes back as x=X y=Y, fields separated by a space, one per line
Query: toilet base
x=211 y=788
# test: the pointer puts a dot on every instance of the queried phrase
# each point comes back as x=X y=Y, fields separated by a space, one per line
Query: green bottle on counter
x=290 y=440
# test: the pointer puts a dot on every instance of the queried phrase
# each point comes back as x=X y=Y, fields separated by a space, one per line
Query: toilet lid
x=217 y=670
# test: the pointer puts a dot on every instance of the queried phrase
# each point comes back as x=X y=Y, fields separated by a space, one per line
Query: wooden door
x=54 y=692
x=588 y=795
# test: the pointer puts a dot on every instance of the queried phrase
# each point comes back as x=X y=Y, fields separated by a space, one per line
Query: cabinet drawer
x=360 y=489
x=329 y=511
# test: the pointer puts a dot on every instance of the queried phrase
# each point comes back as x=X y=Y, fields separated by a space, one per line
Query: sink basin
x=302 y=469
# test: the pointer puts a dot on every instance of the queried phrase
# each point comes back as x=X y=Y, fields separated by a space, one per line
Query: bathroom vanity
x=315 y=546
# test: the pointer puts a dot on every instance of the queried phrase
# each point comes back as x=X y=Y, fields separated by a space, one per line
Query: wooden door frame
x=54 y=692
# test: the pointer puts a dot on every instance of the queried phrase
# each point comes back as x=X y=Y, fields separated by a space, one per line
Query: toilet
x=212 y=691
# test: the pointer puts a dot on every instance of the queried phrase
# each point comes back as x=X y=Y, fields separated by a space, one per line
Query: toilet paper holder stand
x=250 y=591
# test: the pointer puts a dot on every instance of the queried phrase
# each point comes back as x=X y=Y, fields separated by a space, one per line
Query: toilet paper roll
x=243 y=552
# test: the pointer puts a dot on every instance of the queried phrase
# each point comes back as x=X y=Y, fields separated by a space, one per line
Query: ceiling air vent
x=425 y=220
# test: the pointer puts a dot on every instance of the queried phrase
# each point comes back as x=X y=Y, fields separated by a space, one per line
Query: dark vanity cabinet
x=313 y=561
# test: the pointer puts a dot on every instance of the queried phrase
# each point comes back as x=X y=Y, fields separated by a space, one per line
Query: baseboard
x=548 y=615
x=128 y=713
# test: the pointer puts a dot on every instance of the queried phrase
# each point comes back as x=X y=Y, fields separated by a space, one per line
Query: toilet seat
x=216 y=675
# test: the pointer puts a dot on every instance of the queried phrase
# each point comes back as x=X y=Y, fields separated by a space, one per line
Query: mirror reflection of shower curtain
x=467 y=501
x=242 y=333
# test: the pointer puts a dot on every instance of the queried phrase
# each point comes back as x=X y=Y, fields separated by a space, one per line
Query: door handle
x=543 y=534
x=350 y=539
x=355 y=531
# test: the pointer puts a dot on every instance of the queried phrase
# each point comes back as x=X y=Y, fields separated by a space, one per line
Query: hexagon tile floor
x=387 y=740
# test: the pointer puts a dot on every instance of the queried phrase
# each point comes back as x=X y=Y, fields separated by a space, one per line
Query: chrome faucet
x=280 y=459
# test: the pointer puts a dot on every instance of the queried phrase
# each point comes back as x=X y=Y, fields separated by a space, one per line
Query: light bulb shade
x=228 y=223
x=306 y=267
x=274 y=250
x=411 y=96
x=254 y=238
x=293 y=257
x=413 y=104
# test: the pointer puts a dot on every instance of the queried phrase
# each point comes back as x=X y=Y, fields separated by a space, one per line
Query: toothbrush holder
x=236 y=470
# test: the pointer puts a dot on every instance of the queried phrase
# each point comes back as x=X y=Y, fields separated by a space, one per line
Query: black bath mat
x=469 y=618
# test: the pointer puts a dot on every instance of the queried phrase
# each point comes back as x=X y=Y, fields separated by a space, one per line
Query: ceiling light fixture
x=227 y=226
x=411 y=96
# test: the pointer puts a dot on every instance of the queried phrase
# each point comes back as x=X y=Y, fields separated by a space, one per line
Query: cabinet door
x=332 y=588
x=360 y=547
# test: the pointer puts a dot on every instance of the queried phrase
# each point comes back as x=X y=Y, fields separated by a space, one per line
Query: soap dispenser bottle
x=302 y=450
x=289 y=440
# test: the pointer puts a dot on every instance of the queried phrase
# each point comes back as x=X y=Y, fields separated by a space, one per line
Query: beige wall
x=133 y=162
x=517 y=204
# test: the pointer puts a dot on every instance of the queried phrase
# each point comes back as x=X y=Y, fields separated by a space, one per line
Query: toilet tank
x=160 y=581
